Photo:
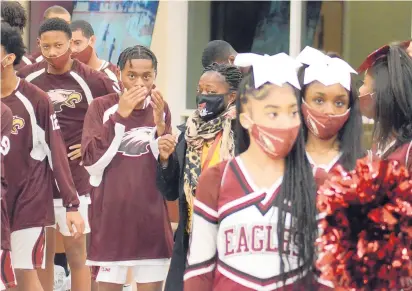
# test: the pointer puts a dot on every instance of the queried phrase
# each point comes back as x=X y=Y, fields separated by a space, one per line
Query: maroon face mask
x=367 y=105
x=322 y=125
x=84 y=55
x=275 y=142
x=60 y=61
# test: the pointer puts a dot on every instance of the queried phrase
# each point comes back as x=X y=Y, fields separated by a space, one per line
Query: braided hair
x=137 y=52
x=232 y=74
x=298 y=187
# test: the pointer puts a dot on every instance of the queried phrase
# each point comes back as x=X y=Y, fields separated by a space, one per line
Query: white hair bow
x=277 y=69
x=325 y=69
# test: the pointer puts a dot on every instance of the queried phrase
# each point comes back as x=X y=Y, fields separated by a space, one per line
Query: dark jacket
x=170 y=184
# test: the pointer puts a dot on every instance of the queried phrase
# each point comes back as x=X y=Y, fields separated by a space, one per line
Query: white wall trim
x=295 y=24
x=177 y=58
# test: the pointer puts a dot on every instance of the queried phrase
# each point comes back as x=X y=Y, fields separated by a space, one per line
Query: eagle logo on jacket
x=68 y=98
x=136 y=141
x=18 y=123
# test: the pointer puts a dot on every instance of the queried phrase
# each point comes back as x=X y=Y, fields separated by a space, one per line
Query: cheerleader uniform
x=234 y=244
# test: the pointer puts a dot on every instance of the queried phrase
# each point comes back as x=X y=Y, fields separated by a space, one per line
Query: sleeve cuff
x=118 y=118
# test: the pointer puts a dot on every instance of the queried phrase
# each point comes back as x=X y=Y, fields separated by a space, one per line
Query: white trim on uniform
x=205 y=208
x=38 y=152
x=28 y=247
x=131 y=263
x=198 y=272
x=96 y=170
x=111 y=75
x=326 y=167
x=255 y=286
x=26 y=60
x=238 y=201
x=141 y=274
x=40 y=147
x=109 y=112
x=39 y=59
x=269 y=191
x=85 y=87
x=34 y=75
x=103 y=65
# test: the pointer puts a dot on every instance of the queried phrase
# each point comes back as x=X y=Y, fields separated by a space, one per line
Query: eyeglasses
x=378 y=54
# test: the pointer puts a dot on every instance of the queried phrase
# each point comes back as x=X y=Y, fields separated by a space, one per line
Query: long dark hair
x=298 y=188
x=392 y=75
x=350 y=135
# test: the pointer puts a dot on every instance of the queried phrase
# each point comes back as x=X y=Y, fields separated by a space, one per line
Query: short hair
x=14 y=14
x=232 y=74
x=12 y=42
x=83 y=26
x=137 y=52
x=55 y=9
x=55 y=24
x=216 y=51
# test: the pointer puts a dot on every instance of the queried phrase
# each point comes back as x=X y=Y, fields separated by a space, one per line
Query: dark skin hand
x=158 y=106
x=75 y=152
x=167 y=144
x=75 y=219
x=131 y=99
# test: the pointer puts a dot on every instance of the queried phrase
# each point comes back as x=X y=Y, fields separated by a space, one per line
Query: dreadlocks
x=232 y=74
x=137 y=52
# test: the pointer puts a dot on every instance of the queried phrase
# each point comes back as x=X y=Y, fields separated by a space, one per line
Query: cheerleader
x=332 y=119
x=388 y=83
x=254 y=216
x=388 y=86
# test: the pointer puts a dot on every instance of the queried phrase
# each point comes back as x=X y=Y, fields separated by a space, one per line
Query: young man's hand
x=167 y=144
x=158 y=106
x=130 y=99
x=75 y=219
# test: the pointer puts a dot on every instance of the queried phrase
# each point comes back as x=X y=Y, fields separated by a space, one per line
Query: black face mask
x=210 y=106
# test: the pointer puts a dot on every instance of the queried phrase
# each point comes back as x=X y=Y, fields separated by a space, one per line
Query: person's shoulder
x=106 y=101
x=111 y=71
x=86 y=72
x=5 y=112
x=32 y=71
x=33 y=93
x=36 y=57
x=112 y=67
x=214 y=174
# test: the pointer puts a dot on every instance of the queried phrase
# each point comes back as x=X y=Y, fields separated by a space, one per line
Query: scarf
x=197 y=132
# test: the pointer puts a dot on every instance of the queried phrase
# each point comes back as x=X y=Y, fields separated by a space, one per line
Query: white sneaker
x=127 y=287
x=61 y=282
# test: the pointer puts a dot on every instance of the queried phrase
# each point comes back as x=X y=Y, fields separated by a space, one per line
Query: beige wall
x=332 y=12
x=26 y=5
x=170 y=44
x=369 y=25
